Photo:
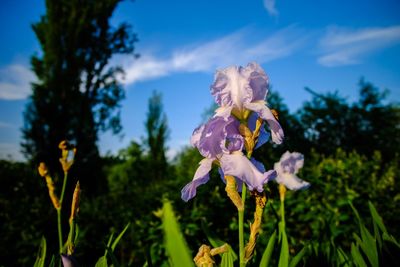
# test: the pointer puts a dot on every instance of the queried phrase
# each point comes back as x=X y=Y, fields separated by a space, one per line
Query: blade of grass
x=175 y=244
x=116 y=241
x=268 y=251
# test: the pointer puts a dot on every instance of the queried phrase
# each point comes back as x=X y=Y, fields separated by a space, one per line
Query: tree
x=157 y=135
x=77 y=94
x=368 y=125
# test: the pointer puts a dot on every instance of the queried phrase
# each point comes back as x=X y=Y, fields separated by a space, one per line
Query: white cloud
x=270 y=7
x=240 y=47
x=15 y=82
x=347 y=47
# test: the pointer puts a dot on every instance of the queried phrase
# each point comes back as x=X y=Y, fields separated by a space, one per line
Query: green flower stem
x=241 y=236
x=59 y=229
x=60 y=238
x=242 y=261
x=283 y=211
x=63 y=187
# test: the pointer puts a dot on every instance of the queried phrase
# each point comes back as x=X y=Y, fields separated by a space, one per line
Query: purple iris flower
x=238 y=90
x=68 y=261
x=287 y=168
x=219 y=139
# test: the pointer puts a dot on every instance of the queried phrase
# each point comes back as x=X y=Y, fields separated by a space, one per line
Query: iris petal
x=200 y=177
x=238 y=165
x=287 y=168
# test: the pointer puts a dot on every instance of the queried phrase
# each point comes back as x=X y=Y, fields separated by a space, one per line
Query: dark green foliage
x=367 y=125
x=25 y=214
x=77 y=94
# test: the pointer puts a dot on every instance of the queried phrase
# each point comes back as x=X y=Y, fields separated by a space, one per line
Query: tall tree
x=157 y=135
x=78 y=93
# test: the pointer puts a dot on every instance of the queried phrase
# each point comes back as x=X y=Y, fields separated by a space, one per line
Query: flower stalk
x=255 y=227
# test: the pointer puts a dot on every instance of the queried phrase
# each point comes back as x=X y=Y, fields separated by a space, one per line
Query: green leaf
x=175 y=244
x=227 y=259
x=284 y=255
x=296 y=259
x=357 y=258
x=378 y=222
x=53 y=261
x=367 y=242
x=102 y=262
x=343 y=259
x=368 y=245
x=41 y=255
x=268 y=251
x=108 y=244
x=377 y=218
x=114 y=244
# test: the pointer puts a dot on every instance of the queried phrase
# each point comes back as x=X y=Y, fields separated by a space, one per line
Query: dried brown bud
x=52 y=194
x=43 y=171
x=275 y=113
x=75 y=202
x=232 y=192
x=203 y=257
x=255 y=227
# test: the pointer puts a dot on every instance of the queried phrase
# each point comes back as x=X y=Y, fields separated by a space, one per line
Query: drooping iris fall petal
x=239 y=166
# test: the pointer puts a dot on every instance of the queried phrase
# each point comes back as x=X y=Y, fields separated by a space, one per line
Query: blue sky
x=326 y=45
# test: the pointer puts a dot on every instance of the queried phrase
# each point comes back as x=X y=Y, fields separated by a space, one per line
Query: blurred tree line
x=351 y=151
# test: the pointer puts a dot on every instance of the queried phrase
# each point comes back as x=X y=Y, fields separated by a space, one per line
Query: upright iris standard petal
x=237 y=90
x=200 y=177
x=234 y=86
x=287 y=168
x=238 y=165
x=258 y=80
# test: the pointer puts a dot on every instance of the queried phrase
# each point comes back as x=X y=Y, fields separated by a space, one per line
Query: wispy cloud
x=270 y=7
x=15 y=82
x=6 y=125
x=239 y=47
x=347 y=47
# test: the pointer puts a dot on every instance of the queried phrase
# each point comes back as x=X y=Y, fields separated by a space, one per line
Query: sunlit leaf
x=284 y=255
x=357 y=258
x=296 y=259
x=268 y=251
x=114 y=244
x=102 y=262
x=41 y=256
x=175 y=244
